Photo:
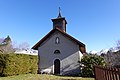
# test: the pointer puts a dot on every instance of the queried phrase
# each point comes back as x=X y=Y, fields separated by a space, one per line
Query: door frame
x=54 y=65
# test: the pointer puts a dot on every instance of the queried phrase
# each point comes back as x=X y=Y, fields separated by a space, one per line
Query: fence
x=105 y=73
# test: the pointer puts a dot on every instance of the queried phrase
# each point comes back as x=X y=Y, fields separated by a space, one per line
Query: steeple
x=59 y=22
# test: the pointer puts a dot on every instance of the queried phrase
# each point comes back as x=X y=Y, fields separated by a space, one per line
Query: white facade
x=58 y=52
x=69 y=55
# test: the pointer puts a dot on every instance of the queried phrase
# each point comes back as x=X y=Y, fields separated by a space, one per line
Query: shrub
x=89 y=61
x=19 y=64
x=2 y=63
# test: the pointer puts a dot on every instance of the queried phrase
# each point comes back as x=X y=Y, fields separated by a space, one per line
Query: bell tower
x=59 y=22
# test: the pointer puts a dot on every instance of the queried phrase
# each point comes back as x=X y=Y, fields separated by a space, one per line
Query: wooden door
x=57 y=66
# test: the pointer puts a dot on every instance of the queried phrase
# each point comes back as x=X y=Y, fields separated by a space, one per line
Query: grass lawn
x=42 y=77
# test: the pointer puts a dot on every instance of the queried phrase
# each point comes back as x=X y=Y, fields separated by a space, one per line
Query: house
x=58 y=52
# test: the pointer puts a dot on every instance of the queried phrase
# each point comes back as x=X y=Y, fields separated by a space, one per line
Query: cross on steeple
x=59 y=22
x=59 y=15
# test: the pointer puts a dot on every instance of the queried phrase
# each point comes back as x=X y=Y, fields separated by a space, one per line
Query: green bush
x=2 y=63
x=89 y=61
x=15 y=64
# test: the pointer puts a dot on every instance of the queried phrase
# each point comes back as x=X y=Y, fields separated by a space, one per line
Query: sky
x=96 y=23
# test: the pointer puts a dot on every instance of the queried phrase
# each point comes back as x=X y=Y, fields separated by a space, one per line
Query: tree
x=23 y=46
x=113 y=56
x=112 y=59
x=118 y=44
x=89 y=61
x=1 y=40
x=6 y=46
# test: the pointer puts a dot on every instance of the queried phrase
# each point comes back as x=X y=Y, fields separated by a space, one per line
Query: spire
x=59 y=15
x=59 y=22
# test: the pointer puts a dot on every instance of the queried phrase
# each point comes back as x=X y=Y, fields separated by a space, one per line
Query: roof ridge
x=64 y=33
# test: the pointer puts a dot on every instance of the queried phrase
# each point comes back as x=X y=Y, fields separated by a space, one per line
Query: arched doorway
x=57 y=66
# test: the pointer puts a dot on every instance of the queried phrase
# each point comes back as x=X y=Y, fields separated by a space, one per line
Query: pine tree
x=6 y=46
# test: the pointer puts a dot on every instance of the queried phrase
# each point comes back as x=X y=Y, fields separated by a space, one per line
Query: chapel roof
x=81 y=45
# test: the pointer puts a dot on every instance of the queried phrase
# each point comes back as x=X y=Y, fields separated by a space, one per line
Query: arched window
x=57 y=40
x=56 y=52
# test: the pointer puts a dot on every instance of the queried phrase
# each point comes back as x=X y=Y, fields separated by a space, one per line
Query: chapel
x=58 y=52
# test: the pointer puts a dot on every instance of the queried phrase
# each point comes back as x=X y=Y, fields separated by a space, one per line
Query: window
x=57 y=40
x=56 y=52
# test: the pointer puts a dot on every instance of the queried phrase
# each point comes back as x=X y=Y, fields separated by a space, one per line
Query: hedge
x=15 y=64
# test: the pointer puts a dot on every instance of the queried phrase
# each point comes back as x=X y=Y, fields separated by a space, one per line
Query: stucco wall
x=69 y=56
